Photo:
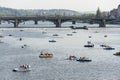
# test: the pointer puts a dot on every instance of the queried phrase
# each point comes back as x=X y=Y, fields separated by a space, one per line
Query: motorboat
x=23 y=68
x=117 y=54
x=83 y=59
x=45 y=55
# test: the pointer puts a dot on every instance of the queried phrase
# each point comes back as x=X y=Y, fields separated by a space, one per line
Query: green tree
x=98 y=13
x=88 y=16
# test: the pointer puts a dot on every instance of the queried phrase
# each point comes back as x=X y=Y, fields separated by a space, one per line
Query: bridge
x=56 y=20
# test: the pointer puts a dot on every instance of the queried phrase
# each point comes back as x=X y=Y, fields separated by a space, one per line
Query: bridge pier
x=0 y=21
x=73 y=22
x=16 y=22
x=36 y=22
x=102 y=23
x=58 y=23
x=8 y=22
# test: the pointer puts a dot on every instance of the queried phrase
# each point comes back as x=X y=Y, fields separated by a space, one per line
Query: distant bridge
x=56 y=20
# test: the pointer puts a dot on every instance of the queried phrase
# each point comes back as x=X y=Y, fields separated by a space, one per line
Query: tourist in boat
x=45 y=55
x=25 y=66
x=82 y=58
x=88 y=42
x=72 y=57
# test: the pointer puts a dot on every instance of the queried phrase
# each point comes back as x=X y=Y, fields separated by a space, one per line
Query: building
x=115 y=13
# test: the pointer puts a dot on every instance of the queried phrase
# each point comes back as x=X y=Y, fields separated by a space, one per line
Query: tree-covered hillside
x=51 y=12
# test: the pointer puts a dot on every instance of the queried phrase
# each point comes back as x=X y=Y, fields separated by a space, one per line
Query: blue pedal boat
x=109 y=48
x=83 y=59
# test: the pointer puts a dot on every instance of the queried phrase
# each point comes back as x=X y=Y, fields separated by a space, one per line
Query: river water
x=104 y=65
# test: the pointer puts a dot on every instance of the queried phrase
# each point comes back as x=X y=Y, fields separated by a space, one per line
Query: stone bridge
x=56 y=20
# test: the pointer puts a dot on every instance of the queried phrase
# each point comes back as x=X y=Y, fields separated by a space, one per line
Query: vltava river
x=104 y=65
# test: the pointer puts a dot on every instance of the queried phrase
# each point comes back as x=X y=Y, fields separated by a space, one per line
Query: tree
x=88 y=16
x=98 y=13
x=105 y=14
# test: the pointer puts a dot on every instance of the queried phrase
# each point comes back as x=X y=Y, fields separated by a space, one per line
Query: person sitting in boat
x=28 y=66
x=25 y=66
x=83 y=58
x=71 y=57
x=41 y=54
x=22 y=66
x=88 y=42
